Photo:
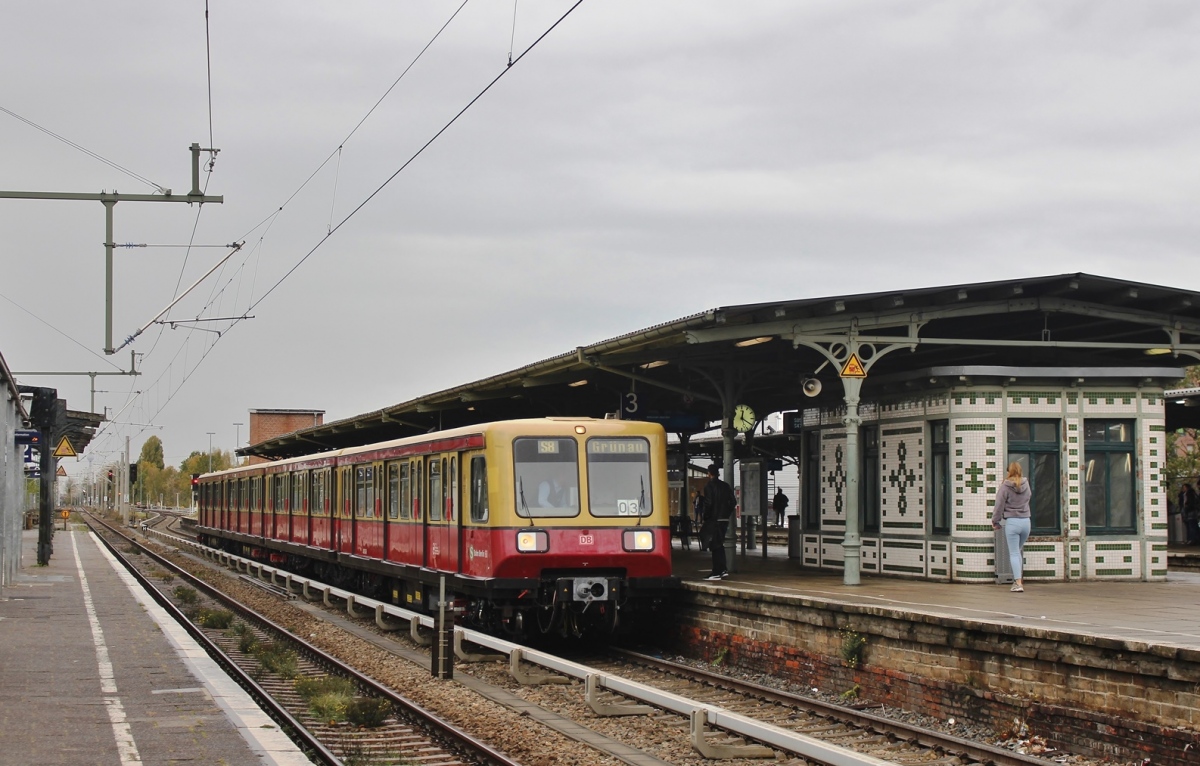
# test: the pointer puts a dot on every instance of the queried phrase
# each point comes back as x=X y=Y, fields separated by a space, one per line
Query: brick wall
x=1095 y=695
x=271 y=424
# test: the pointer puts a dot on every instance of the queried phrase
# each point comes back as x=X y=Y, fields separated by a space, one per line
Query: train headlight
x=638 y=540
x=533 y=541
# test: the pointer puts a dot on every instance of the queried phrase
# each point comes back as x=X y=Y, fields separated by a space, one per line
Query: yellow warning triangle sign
x=853 y=368
x=64 y=449
x=61 y=471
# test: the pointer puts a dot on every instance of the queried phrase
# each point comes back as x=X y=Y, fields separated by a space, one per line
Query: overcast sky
x=646 y=161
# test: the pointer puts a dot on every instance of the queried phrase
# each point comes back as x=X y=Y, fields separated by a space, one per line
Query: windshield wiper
x=641 y=499
x=521 y=494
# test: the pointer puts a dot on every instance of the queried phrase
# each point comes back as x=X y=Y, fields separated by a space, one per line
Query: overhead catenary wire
x=354 y=130
x=415 y=155
x=174 y=387
x=136 y=176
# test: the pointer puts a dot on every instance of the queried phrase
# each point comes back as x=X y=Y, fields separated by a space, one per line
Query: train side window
x=479 y=489
x=298 y=485
x=368 y=510
x=393 y=490
x=405 y=493
x=435 y=489
x=317 y=495
x=452 y=490
x=417 y=489
x=360 y=491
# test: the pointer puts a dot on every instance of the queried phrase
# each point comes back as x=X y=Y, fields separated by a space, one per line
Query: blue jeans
x=1016 y=532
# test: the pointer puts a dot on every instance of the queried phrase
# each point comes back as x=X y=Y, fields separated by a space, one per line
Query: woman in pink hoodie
x=1012 y=505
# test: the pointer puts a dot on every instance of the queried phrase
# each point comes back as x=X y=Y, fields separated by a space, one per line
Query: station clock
x=743 y=418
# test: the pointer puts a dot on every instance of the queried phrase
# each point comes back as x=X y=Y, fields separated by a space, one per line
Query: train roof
x=447 y=439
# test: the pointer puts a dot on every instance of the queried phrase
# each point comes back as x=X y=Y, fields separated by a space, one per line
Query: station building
x=901 y=411
x=1091 y=442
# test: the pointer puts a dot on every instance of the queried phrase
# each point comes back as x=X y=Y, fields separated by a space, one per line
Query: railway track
x=719 y=717
x=266 y=659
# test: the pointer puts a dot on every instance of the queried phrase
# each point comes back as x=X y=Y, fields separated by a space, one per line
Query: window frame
x=812 y=480
x=1029 y=448
x=869 y=482
x=479 y=490
x=939 y=462
x=1107 y=448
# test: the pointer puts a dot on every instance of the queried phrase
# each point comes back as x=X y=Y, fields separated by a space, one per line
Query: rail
x=701 y=713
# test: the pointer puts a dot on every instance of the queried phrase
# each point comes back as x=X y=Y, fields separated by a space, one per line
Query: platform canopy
x=690 y=373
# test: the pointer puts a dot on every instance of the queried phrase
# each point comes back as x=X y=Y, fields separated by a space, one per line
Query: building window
x=940 y=486
x=1034 y=445
x=1108 y=486
x=812 y=481
x=869 y=487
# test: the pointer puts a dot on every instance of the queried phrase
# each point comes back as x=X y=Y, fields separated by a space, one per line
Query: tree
x=152 y=453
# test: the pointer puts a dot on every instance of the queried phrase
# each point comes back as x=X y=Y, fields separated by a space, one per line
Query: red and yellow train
x=548 y=525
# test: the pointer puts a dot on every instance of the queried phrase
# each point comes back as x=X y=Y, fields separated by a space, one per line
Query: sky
x=642 y=162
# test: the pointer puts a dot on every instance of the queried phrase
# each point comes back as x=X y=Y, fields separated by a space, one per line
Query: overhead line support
x=109 y=200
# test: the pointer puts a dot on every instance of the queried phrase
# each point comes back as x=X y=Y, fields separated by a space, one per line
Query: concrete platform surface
x=1161 y=613
x=92 y=671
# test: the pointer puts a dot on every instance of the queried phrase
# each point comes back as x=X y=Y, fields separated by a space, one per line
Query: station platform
x=92 y=670
x=1154 y=613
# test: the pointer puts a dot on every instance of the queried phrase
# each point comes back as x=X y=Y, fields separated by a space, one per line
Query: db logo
x=587 y=540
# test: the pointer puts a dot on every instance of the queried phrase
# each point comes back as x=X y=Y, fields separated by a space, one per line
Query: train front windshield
x=546 y=477
x=619 y=476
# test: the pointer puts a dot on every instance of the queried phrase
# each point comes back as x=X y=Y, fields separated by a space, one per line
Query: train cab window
x=435 y=489
x=619 y=476
x=479 y=489
x=546 y=477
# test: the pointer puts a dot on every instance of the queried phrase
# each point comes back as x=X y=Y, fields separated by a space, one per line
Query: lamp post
x=210 y=436
x=237 y=439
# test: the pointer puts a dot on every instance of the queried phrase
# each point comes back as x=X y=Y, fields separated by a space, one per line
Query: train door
x=450 y=501
x=391 y=506
x=343 y=523
x=252 y=504
x=323 y=499
x=366 y=526
x=375 y=545
x=299 y=506
x=434 y=517
x=474 y=541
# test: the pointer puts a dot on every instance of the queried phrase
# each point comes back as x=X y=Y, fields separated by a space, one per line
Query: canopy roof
x=690 y=372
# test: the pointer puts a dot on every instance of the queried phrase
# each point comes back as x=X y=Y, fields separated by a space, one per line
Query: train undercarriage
x=563 y=604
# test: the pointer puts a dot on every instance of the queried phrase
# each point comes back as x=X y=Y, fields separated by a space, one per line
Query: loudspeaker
x=811 y=386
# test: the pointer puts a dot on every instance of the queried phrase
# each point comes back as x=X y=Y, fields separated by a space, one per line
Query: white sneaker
x=717 y=576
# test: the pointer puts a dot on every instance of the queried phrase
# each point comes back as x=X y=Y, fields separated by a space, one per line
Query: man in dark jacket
x=719 y=505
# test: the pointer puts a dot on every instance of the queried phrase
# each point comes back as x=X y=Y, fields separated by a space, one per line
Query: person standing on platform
x=779 y=504
x=719 y=505
x=1012 y=505
x=1191 y=519
x=698 y=515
